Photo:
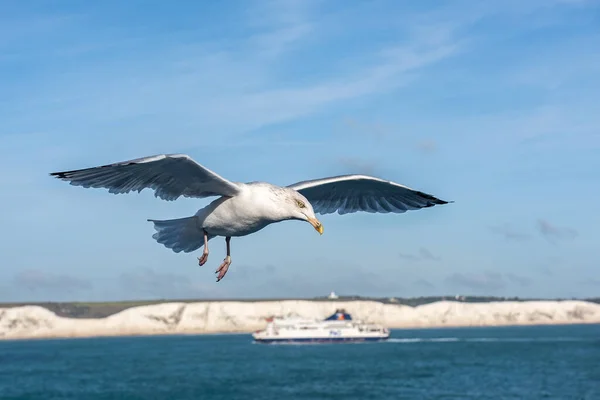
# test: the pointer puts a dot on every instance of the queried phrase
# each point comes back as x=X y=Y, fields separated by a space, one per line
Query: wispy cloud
x=278 y=281
x=509 y=232
x=357 y=166
x=204 y=86
x=244 y=272
x=50 y=284
x=282 y=24
x=591 y=282
x=427 y=146
x=423 y=254
x=519 y=280
x=550 y=265
x=423 y=283
x=554 y=233
x=149 y=283
x=487 y=281
x=546 y=229
x=389 y=71
x=370 y=130
x=381 y=132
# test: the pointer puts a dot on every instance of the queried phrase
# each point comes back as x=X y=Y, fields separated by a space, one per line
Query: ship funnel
x=339 y=315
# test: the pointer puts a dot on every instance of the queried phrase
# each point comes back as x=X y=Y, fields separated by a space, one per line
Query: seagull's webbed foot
x=222 y=270
x=202 y=260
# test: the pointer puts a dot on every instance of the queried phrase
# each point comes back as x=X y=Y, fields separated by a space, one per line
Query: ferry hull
x=321 y=340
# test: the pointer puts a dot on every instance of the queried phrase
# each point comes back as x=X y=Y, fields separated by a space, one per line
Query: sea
x=534 y=362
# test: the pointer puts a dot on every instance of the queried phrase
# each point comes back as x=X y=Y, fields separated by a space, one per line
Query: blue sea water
x=547 y=362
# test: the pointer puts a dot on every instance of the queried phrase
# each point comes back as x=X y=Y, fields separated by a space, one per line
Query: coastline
x=98 y=335
x=234 y=317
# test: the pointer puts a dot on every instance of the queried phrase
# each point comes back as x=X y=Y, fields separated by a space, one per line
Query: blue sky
x=494 y=105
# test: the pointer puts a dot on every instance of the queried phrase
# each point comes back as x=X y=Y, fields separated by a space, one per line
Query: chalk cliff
x=237 y=317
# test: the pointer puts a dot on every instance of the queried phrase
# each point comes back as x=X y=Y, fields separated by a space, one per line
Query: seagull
x=241 y=208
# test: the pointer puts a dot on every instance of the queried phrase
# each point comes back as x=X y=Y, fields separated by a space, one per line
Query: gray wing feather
x=169 y=175
x=351 y=193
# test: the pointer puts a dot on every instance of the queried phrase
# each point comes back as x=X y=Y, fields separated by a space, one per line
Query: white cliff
x=238 y=317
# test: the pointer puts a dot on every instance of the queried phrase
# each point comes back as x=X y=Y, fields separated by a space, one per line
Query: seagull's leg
x=204 y=258
x=222 y=270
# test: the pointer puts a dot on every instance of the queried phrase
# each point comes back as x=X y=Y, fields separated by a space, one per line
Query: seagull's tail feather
x=181 y=234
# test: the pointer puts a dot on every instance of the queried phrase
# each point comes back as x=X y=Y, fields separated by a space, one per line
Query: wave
x=418 y=340
x=449 y=340
x=488 y=339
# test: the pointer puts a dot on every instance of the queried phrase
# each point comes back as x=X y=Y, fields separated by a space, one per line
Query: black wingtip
x=434 y=200
x=438 y=202
x=60 y=175
x=65 y=174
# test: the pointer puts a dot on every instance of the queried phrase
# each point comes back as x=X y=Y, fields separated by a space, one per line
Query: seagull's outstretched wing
x=169 y=175
x=351 y=193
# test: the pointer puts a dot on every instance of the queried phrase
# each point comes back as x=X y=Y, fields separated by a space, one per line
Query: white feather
x=242 y=208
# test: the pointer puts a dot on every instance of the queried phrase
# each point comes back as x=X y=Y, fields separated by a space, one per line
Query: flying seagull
x=242 y=208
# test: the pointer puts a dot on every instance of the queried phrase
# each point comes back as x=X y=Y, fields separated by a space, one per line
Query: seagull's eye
x=300 y=203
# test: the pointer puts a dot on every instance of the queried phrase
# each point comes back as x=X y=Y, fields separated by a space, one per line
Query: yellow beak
x=316 y=224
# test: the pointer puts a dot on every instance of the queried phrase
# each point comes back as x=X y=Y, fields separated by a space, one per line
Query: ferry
x=339 y=327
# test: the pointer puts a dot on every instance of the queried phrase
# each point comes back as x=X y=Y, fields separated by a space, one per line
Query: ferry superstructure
x=337 y=328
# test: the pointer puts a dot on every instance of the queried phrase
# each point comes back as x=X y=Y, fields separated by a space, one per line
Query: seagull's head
x=301 y=209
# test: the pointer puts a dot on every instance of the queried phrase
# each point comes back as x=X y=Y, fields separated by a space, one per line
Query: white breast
x=250 y=211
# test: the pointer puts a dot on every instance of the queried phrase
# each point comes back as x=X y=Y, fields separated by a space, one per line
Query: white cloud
x=192 y=88
x=283 y=24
